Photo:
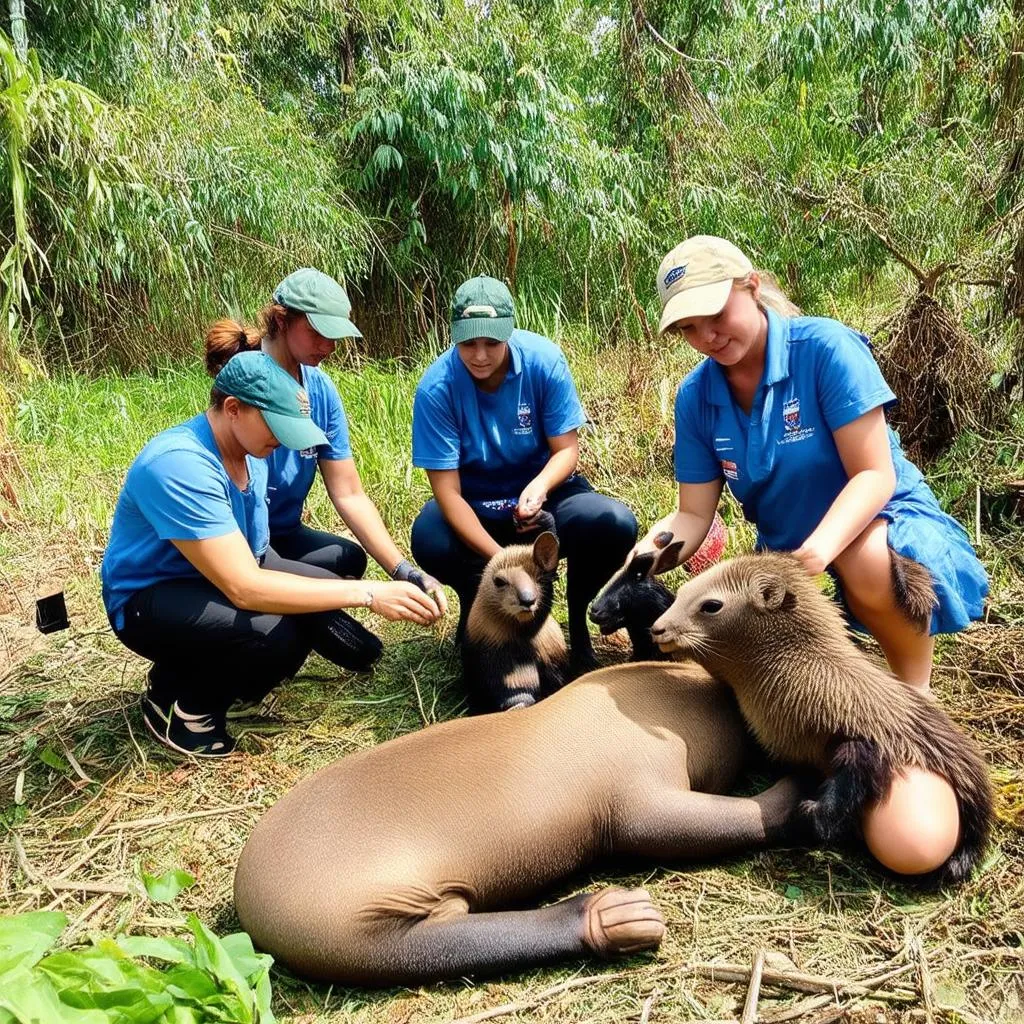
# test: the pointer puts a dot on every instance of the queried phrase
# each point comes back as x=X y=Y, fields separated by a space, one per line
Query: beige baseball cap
x=695 y=278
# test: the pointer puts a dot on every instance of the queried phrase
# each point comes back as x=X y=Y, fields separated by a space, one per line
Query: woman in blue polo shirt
x=495 y=424
x=189 y=581
x=789 y=412
x=303 y=325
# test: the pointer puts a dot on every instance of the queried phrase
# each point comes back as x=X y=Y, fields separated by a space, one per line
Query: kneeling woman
x=188 y=581
x=495 y=425
x=789 y=411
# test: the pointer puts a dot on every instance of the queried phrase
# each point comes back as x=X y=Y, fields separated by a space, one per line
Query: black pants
x=595 y=533
x=338 y=555
x=207 y=653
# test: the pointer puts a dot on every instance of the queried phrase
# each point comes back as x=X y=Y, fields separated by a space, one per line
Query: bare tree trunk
x=19 y=28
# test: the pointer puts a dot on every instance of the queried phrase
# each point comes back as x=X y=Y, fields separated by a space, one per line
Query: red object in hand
x=710 y=551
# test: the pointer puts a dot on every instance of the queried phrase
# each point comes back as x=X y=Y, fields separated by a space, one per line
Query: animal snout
x=527 y=599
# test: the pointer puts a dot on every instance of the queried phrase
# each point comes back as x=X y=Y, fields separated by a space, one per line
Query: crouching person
x=495 y=424
x=190 y=583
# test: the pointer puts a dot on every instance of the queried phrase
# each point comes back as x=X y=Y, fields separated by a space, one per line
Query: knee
x=280 y=651
x=604 y=534
x=351 y=561
x=916 y=828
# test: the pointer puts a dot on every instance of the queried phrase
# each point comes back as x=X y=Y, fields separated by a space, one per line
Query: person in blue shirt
x=495 y=425
x=309 y=315
x=189 y=580
x=789 y=412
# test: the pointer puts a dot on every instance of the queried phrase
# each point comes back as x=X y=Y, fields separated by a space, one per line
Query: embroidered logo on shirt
x=524 y=417
x=303 y=399
x=730 y=469
x=308 y=453
x=792 y=428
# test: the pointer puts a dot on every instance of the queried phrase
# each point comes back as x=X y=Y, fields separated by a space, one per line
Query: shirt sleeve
x=334 y=425
x=848 y=379
x=183 y=497
x=563 y=410
x=695 y=459
x=436 y=443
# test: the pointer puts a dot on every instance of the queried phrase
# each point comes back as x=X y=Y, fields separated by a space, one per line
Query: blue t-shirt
x=177 y=489
x=291 y=473
x=781 y=461
x=499 y=441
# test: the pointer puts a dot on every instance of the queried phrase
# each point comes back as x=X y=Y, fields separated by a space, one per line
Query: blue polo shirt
x=499 y=441
x=177 y=489
x=291 y=473
x=781 y=461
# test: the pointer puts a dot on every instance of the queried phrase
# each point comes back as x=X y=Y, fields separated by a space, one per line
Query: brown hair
x=274 y=320
x=226 y=338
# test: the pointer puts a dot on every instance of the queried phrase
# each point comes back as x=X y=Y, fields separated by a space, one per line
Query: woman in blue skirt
x=789 y=411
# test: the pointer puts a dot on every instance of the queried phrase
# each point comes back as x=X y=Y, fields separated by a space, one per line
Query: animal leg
x=685 y=825
x=858 y=775
x=607 y=923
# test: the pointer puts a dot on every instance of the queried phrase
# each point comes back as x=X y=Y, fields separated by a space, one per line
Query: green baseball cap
x=254 y=378
x=482 y=308
x=322 y=299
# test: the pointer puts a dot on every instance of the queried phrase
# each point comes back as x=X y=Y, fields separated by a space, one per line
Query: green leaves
x=209 y=979
x=165 y=888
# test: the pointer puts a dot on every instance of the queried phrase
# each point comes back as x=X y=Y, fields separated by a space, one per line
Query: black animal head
x=633 y=598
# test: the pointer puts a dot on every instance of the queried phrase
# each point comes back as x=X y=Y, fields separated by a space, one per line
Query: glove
x=406 y=572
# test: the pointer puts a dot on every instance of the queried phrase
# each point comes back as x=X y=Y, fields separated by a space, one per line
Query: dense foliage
x=169 y=161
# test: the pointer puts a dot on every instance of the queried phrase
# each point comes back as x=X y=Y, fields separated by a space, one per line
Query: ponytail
x=774 y=298
x=226 y=338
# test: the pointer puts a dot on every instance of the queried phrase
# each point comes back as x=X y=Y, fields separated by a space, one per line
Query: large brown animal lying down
x=811 y=696
x=399 y=864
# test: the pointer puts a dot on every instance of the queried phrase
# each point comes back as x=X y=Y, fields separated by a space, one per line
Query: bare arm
x=565 y=456
x=228 y=563
x=689 y=523
x=458 y=513
x=864 y=450
x=359 y=513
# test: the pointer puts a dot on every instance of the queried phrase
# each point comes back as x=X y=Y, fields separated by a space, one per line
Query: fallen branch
x=162 y=822
x=754 y=990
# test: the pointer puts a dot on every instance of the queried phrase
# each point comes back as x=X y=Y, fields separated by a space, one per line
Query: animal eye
x=711 y=606
x=500 y=581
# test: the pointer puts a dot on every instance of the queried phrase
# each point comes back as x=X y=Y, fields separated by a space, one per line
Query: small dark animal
x=811 y=696
x=513 y=651
x=633 y=600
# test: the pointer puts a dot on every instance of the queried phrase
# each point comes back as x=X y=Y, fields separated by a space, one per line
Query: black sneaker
x=195 y=735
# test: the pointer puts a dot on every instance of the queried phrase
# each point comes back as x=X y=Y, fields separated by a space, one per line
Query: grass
x=86 y=801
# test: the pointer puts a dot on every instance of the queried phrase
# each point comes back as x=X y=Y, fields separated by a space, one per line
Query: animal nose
x=657 y=630
x=527 y=598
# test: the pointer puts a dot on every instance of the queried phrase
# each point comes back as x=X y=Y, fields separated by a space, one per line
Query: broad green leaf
x=174 y=951
x=165 y=888
x=212 y=956
x=25 y=938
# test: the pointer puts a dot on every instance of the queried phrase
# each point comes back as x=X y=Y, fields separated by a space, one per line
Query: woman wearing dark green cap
x=495 y=425
x=188 y=579
x=309 y=315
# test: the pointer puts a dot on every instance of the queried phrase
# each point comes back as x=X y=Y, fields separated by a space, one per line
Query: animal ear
x=641 y=565
x=667 y=558
x=545 y=552
x=771 y=594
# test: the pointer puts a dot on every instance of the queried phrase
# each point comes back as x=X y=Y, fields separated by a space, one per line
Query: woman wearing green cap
x=188 y=580
x=789 y=412
x=309 y=315
x=495 y=424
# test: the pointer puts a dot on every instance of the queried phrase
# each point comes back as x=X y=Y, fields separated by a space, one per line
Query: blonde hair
x=772 y=296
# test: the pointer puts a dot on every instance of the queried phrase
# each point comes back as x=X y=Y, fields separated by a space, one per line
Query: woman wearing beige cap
x=789 y=411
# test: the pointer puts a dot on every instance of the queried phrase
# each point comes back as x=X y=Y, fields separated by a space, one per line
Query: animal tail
x=953 y=755
x=914 y=589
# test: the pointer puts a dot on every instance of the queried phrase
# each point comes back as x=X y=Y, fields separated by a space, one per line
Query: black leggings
x=595 y=533
x=207 y=653
x=336 y=554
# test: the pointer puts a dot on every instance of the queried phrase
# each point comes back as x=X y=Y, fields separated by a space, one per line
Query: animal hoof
x=618 y=922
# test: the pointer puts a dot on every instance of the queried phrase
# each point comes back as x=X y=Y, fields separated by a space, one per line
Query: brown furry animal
x=513 y=651
x=810 y=696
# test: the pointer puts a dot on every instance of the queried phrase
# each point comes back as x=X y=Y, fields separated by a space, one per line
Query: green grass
x=70 y=700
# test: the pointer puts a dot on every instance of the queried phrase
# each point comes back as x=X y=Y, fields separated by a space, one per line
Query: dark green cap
x=254 y=378
x=322 y=299
x=482 y=309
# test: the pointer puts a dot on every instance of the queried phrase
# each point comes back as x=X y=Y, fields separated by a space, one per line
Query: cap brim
x=498 y=327
x=333 y=327
x=704 y=300
x=295 y=432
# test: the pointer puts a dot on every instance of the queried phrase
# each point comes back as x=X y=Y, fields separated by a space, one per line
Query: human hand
x=812 y=556
x=531 y=501
x=403 y=602
x=405 y=570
